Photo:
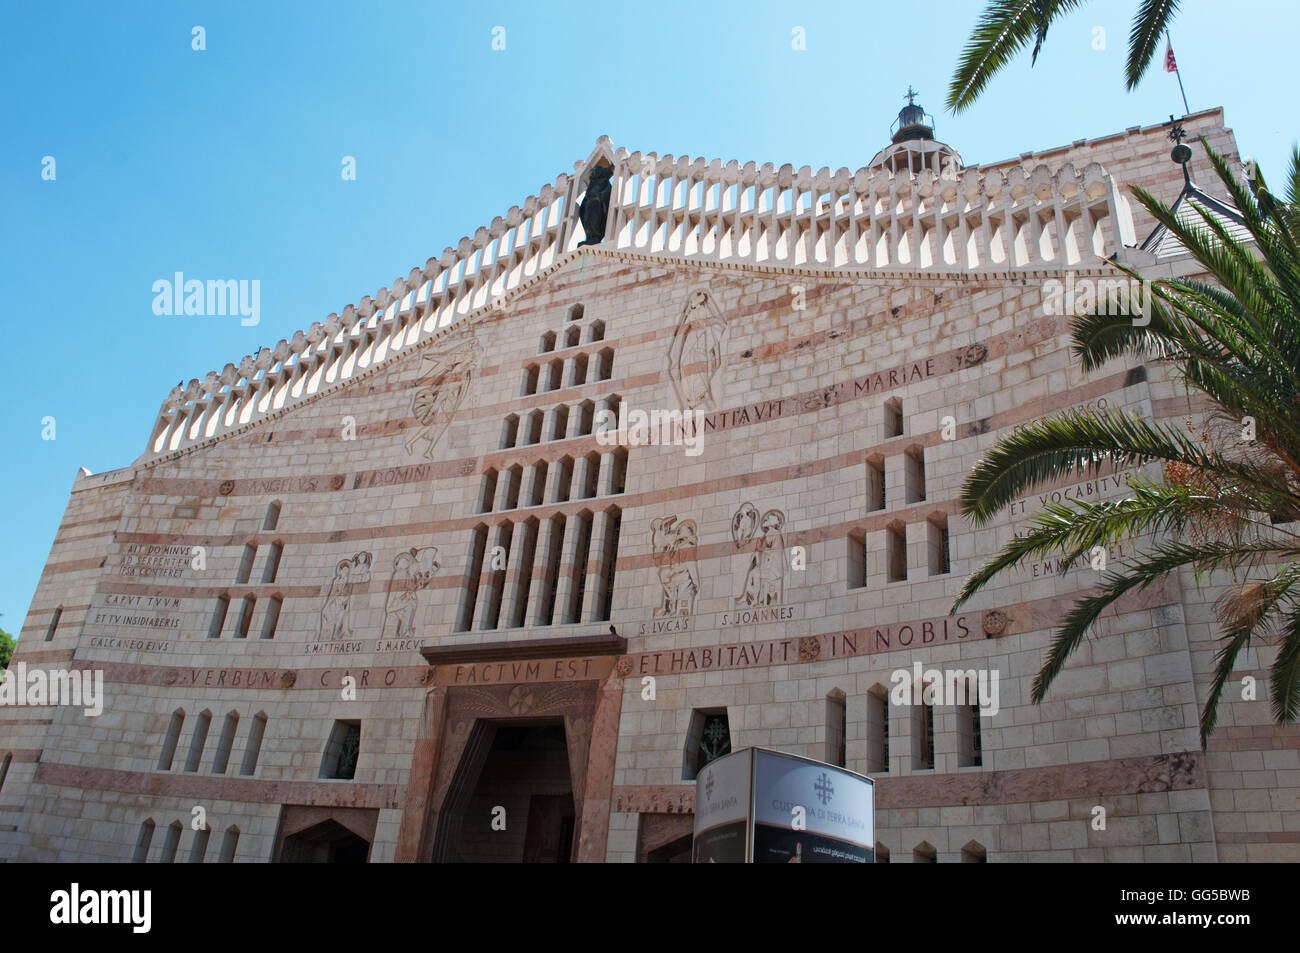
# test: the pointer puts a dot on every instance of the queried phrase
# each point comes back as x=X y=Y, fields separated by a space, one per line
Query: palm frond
x=1167 y=557
x=1084 y=441
x=1003 y=30
x=1152 y=19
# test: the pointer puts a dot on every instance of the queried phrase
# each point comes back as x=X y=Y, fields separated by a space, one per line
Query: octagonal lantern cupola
x=913 y=146
x=912 y=123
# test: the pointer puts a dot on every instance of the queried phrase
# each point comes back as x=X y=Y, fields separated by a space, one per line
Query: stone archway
x=467 y=705
x=312 y=834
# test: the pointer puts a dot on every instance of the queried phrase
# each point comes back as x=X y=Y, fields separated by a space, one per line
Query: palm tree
x=1006 y=26
x=1225 y=503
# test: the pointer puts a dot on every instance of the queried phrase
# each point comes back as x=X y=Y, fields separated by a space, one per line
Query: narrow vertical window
x=563 y=480
x=170 y=843
x=893 y=418
x=878 y=731
x=227 y=741
x=875 y=484
x=896 y=552
x=924 y=853
x=273 y=607
x=272 y=567
x=936 y=529
x=473 y=573
x=54 y=623
x=922 y=737
x=560 y=422
x=142 y=842
x=537 y=490
x=969 y=736
x=914 y=474
x=171 y=739
x=245 y=616
x=487 y=493
x=523 y=566
x=253 y=749
x=219 y=616
x=551 y=580
x=200 y=846
x=496 y=591
x=246 y=563
x=619 y=480
x=514 y=476
x=198 y=740
x=591 y=477
x=857 y=560
x=882 y=853
x=229 y=844
x=609 y=559
x=272 y=517
x=836 y=728
x=582 y=552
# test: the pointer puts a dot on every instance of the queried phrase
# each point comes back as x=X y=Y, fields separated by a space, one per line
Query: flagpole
x=1187 y=110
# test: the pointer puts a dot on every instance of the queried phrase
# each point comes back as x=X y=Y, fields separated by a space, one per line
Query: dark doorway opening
x=521 y=809
x=674 y=852
x=325 y=843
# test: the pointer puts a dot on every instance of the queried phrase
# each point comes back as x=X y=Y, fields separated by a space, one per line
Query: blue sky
x=226 y=163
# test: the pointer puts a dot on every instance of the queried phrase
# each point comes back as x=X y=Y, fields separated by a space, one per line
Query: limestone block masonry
x=367 y=585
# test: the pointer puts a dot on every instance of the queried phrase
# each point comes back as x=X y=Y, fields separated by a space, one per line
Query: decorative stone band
x=1149 y=774
x=522 y=667
x=247 y=790
x=868 y=221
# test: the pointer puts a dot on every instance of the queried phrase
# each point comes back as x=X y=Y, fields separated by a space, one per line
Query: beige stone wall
x=1118 y=730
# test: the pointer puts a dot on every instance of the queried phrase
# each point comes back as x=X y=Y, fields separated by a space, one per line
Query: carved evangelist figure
x=336 y=614
x=764 y=579
x=679 y=577
x=413 y=570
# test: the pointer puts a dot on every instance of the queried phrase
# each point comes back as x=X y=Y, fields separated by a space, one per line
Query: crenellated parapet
x=871 y=220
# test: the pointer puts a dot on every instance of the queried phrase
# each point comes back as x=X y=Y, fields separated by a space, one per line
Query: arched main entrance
x=534 y=756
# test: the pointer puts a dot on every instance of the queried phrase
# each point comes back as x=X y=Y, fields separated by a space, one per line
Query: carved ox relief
x=442 y=391
x=696 y=352
x=413 y=570
x=350 y=575
x=679 y=577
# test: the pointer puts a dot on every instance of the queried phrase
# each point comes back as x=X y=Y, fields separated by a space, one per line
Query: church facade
x=662 y=463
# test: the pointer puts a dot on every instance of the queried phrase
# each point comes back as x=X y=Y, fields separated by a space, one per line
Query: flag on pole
x=1171 y=65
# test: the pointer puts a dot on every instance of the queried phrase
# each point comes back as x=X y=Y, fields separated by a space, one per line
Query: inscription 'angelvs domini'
x=471 y=601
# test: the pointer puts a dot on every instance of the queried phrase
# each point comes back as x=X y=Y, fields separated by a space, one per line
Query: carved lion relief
x=413 y=570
